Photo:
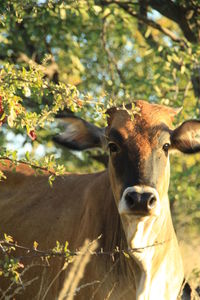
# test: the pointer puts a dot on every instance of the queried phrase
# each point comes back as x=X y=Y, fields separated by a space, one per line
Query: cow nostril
x=151 y=202
x=130 y=200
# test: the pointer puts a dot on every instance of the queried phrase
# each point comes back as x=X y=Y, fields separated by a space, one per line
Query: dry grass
x=70 y=286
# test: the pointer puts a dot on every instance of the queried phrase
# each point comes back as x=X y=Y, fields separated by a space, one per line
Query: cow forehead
x=147 y=124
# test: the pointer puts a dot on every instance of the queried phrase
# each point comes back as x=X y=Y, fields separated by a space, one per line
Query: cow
x=126 y=204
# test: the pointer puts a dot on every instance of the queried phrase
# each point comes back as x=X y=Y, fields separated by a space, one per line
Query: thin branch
x=79 y=288
x=51 y=253
x=147 y=21
x=49 y=70
x=20 y=287
x=33 y=166
x=104 y=279
x=143 y=27
x=106 y=49
x=111 y=291
x=54 y=280
x=111 y=59
x=177 y=13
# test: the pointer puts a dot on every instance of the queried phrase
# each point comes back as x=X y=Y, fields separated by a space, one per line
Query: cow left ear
x=186 y=138
x=79 y=134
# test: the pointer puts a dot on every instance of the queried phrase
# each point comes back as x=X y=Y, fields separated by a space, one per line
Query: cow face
x=139 y=157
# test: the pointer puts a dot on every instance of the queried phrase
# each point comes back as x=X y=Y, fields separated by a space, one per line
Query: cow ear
x=186 y=138
x=110 y=114
x=79 y=134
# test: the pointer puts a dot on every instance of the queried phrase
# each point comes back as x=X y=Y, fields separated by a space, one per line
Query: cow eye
x=113 y=147
x=166 y=147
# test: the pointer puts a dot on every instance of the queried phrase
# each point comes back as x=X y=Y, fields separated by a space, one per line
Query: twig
x=22 y=286
x=104 y=279
x=49 y=70
x=110 y=57
x=15 y=161
x=37 y=252
x=147 y=21
x=86 y=285
x=41 y=253
x=54 y=279
x=111 y=291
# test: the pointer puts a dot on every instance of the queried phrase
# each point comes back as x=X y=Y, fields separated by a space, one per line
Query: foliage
x=85 y=56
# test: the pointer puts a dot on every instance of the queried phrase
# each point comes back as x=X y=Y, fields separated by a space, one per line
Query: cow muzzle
x=140 y=200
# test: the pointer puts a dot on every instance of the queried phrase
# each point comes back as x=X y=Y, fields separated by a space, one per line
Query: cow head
x=138 y=166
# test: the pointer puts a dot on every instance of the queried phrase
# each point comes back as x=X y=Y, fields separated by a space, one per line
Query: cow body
x=127 y=205
x=61 y=213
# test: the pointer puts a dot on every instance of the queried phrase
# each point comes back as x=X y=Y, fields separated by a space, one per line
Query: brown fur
x=46 y=214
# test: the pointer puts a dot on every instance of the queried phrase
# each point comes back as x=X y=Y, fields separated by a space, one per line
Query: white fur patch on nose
x=123 y=207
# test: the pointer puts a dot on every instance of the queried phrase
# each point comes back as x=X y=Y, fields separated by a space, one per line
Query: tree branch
x=176 y=13
x=145 y=20
x=110 y=57
x=31 y=165
x=53 y=253
x=49 y=70
x=143 y=27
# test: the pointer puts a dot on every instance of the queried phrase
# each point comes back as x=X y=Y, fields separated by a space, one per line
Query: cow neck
x=113 y=236
x=114 y=241
x=151 y=268
x=158 y=263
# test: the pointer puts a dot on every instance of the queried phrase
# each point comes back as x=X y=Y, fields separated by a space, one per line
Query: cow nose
x=140 y=202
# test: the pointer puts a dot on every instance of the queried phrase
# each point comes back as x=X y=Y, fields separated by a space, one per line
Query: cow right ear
x=186 y=138
x=79 y=134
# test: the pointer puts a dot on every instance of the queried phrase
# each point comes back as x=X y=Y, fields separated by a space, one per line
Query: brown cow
x=127 y=204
